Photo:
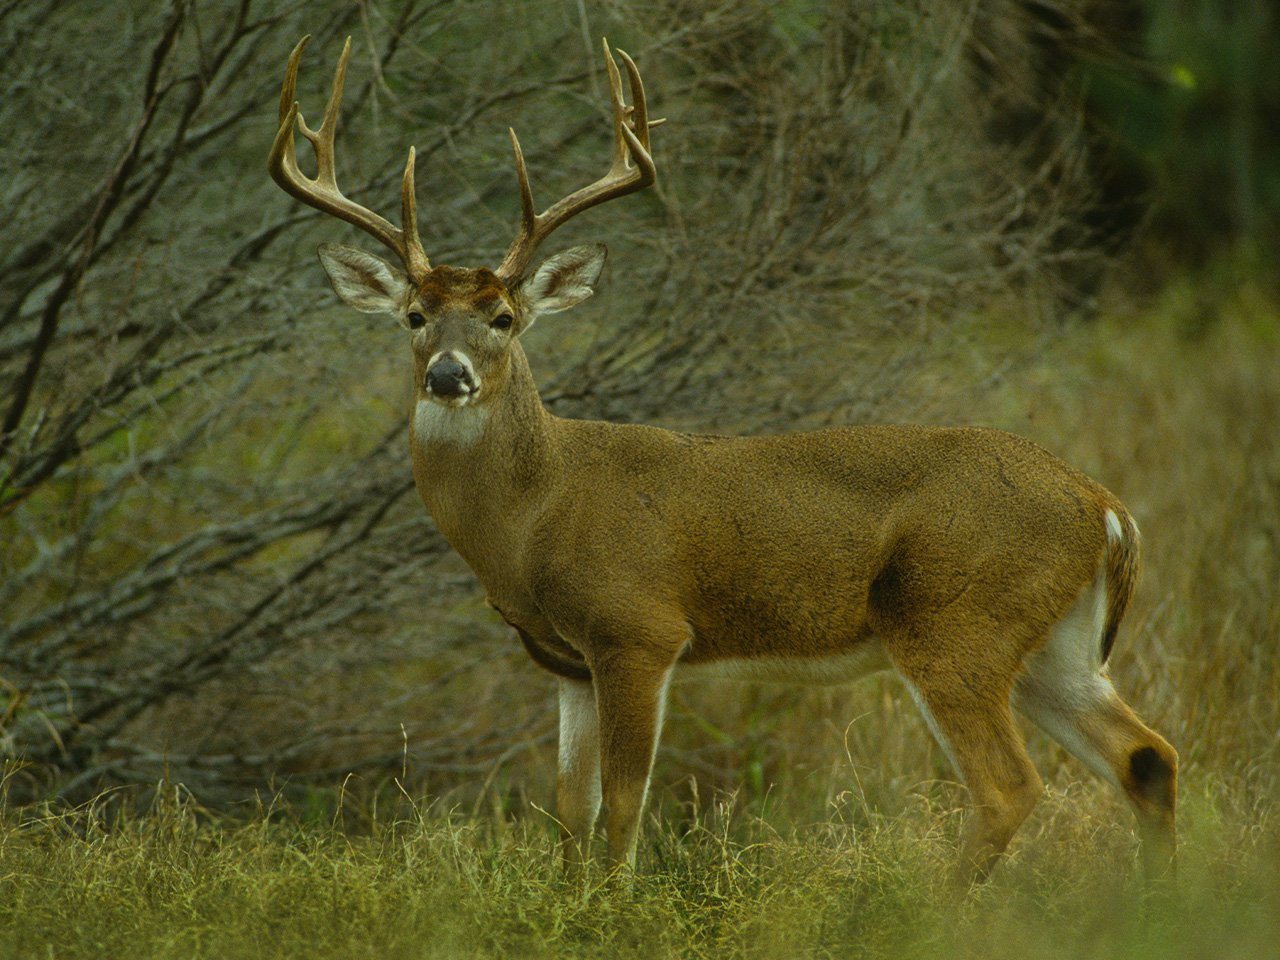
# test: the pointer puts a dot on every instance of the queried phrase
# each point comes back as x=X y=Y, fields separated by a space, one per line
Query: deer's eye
x=502 y=321
x=416 y=320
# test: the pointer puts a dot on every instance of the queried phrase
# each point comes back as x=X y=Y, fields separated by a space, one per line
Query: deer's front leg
x=578 y=775
x=631 y=694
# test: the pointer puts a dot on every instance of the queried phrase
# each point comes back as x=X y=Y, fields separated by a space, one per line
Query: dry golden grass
x=177 y=882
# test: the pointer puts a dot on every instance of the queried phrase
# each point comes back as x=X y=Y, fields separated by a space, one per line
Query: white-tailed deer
x=987 y=573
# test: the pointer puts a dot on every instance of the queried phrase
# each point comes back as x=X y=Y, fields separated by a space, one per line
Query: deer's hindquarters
x=1065 y=690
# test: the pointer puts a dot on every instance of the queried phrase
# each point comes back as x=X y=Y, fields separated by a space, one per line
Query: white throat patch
x=459 y=425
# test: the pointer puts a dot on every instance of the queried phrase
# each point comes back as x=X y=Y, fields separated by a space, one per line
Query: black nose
x=448 y=378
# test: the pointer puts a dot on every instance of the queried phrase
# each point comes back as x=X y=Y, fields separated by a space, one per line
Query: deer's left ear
x=563 y=280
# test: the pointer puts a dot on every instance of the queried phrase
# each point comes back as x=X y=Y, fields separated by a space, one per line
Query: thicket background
x=1058 y=218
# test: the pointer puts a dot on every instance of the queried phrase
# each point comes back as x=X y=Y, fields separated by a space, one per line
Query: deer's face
x=462 y=324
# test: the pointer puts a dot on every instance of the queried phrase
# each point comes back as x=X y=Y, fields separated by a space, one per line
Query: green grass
x=178 y=881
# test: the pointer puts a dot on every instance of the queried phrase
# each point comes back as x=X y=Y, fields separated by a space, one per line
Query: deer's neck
x=482 y=469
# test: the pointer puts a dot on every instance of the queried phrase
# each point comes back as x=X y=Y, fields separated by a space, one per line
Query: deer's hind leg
x=971 y=719
x=1064 y=689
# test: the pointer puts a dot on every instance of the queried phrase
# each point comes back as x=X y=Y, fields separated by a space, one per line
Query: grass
x=178 y=881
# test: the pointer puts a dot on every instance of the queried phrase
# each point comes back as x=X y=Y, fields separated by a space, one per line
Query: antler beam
x=630 y=144
x=322 y=192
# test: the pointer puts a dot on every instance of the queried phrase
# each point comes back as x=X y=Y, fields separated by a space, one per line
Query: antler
x=630 y=142
x=322 y=192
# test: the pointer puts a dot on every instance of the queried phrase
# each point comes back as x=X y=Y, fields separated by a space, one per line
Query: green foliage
x=1199 y=118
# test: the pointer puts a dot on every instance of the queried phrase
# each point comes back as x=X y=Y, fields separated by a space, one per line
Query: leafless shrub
x=214 y=563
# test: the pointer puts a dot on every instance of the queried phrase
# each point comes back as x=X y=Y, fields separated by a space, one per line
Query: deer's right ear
x=363 y=281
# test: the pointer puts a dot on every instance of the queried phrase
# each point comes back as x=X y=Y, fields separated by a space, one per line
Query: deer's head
x=462 y=322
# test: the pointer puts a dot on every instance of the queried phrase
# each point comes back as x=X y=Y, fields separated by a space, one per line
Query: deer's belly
x=830 y=668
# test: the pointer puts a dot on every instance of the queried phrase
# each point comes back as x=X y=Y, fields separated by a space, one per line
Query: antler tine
x=322 y=192
x=630 y=145
x=415 y=257
x=638 y=111
x=528 y=219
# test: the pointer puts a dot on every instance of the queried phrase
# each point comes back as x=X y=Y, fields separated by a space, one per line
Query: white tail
x=987 y=573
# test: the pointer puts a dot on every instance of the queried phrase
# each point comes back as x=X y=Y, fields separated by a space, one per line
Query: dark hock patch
x=1150 y=771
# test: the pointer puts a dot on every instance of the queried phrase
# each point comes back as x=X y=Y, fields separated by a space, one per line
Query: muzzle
x=449 y=379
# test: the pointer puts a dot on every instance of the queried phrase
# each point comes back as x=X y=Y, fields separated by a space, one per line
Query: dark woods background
x=214 y=566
